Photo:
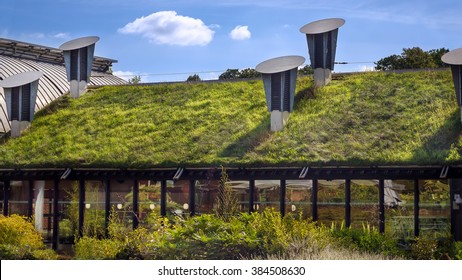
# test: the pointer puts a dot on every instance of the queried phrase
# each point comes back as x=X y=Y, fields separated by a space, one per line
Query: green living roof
x=362 y=119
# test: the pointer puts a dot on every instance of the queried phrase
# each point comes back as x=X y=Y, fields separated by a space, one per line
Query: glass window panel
x=149 y=201
x=435 y=208
x=298 y=198
x=178 y=198
x=331 y=201
x=364 y=203
x=267 y=193
x=399 y=208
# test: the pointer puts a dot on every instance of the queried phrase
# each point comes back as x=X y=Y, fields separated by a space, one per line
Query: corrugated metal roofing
x=17 y=57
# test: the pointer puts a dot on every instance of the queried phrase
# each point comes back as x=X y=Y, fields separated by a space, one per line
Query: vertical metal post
x=6 y=192
x=314 y=200
x=251 y=195
x=107 y=206
x=30 y=199
x=81 y=206
x=192 y=197
x=282 y=198
x=55 y=236
x=416 y=207
x=163 y=198
x=347 y=203
x=136 y=209
x=381 y=206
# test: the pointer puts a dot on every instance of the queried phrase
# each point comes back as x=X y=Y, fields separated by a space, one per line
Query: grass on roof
x=363 y=119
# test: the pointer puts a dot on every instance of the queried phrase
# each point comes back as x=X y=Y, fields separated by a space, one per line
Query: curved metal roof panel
x=52 y=85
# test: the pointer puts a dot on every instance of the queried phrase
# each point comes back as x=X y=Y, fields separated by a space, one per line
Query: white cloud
x=166 y=27
x=240 y=32
x=62 y=35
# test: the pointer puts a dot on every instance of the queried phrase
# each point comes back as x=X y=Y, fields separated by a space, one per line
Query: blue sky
x=156 y=39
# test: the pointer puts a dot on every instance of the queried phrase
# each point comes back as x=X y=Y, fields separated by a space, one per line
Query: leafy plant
x=368 y=239
x=458 y=250
x=424 y=249
x=88 y=248
x=20 y=240
x=227 y=202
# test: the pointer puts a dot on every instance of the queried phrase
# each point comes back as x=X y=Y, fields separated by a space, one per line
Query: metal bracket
x=178 y=174
x=444 y=172
x=304 y=172
x=66 y=173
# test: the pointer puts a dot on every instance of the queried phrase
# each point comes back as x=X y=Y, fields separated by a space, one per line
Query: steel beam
x=416 y=207
x=282 y=197
x=163 y=198
x=136 y=209
x=347 y=203
x=251 y=196
x=192 y=197
x=381 y=206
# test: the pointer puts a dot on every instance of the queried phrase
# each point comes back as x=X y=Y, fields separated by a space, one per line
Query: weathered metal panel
x=25 y=103
x=276 y=91
x=14 y=104
x=457 y=77
x=74 y=64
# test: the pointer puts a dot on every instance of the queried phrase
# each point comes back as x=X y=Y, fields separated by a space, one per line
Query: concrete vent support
x=454 y=59
x=78 y=60
x=20 y=95
x=321 y=37
x=279 y=80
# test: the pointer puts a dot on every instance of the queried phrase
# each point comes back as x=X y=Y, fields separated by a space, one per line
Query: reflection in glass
x=331 y=201
x=364 y=203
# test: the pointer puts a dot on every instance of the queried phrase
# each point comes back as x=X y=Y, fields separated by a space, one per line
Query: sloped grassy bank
x=362 y=119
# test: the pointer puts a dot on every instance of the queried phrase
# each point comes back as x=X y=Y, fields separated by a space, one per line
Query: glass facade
x=36 y=199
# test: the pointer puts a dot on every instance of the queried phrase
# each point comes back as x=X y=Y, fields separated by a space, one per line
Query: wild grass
x=370 y=119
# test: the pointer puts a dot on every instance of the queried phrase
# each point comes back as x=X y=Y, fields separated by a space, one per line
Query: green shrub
x=88 y=248
x=15 y=230
x=20 y=241
x=14 y=252
x=458 y=250
x=44 y=254
x=368 y=239
x=424 y=249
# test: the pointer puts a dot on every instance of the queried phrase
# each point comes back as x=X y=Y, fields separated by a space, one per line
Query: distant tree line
x=412 y=58
x=231 y=74
x=247 y=73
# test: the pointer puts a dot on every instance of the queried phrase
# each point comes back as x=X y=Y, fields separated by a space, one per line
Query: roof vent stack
x=78 y=60
x=279 y=80
x=454 y=58
x=321 y=37
x=20 y=95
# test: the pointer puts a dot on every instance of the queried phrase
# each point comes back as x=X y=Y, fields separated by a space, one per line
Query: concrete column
x=77 y=88
x=17 y=127
x=279 y=120
x=322 y=77
x=39 y=203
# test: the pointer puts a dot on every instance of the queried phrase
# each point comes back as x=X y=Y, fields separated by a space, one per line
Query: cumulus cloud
x=62 y=35
x=167 y=27
x=240 y=32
